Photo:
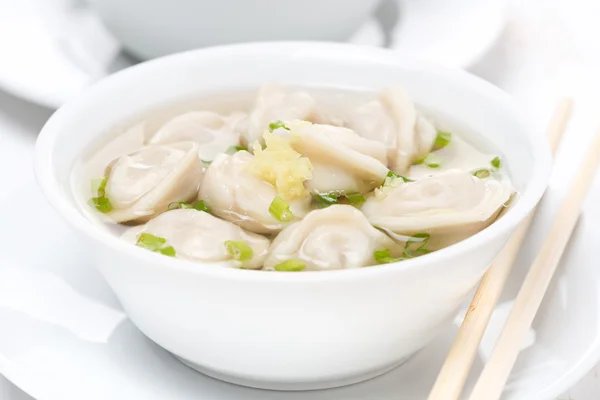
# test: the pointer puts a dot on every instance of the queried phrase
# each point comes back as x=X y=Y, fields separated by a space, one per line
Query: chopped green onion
x=239 y=250
x=419 y=243
x=156 y=244
x=199 y=205
x=168 y=251
x=280 y=209
x=442 y=139
x=482 y=173
x=99 y=186
x=101 y=204
x=326 y=199
x=277 y=124
x=431 y=160
x=290 y=266
x=420 y=240
x=495 y=162
x=234 y=149
x=392 y=176
x=355 y=198
x=151 y=242
x=385 y=257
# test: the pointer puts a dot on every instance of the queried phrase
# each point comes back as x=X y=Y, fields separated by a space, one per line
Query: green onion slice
x=101 y=204
x=431 y=160
x=495 y=162
x=482 y=173
x=392 y=176
x=99 y=186
x=292 y=265
x=156 y=244
x=326 y=199
x=234 y=149
x=416 y=245
x=355 y=198
x=280 y=209
x=442 y=139
x=277 y=124
x=385 y=257
x=239 y=250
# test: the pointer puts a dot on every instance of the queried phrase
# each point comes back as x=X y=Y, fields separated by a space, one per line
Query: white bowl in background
x=156 y=28
x=276 y=330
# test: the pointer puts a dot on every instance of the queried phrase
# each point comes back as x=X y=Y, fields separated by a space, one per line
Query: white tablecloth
x=549 y=48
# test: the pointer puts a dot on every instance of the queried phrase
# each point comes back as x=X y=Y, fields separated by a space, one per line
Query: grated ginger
x=280 y=165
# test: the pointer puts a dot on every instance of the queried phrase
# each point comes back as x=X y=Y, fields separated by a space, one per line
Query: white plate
x=52 y=49
x=64 y=336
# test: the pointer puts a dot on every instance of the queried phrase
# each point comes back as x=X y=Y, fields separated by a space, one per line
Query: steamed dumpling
x=272 y=104
x=341 y=160
x=233 y=193
x=142 y=184
x=372 y=121
x=213 y=133
x=337 y=237
x=198 y=236
x=415 y=135
x=453 y=203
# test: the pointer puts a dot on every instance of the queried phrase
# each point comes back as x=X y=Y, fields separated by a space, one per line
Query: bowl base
x=292 y=386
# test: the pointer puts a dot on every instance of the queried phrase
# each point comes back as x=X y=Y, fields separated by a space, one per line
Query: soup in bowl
x=291 y=215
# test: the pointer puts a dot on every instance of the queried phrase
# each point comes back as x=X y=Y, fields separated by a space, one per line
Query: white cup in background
x=152 y=28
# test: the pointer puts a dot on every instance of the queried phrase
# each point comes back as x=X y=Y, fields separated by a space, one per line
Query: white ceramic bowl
x=153 y=28
x=278 y=330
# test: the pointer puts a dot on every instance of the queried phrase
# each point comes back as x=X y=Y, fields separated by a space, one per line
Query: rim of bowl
x=44 y=171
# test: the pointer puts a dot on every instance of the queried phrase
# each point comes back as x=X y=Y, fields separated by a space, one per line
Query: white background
x=549 y=49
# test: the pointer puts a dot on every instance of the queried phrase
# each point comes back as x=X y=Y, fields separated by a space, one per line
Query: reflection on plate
x=52 y=49
x=66 y=337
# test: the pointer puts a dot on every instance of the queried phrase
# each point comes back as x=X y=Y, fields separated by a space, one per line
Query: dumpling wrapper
x=142 y=184
x=213 y=132
x=274 y=103
x=450 y=206
x=236 y=195
x=341 y=160
x=372 y=121
x=337 y=237
x=198 y=236
x=415 y=135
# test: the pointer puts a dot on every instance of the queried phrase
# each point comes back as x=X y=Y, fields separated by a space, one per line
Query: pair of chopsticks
x=454 y=372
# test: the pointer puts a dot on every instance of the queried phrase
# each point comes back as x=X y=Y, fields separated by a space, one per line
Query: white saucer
x=64 y=336
x=52 y=49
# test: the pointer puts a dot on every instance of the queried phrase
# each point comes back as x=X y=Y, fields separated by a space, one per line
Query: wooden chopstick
x=496 y=371
x=454 y=372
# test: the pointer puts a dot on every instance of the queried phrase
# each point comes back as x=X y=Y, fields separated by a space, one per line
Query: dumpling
x=415 y=135
x=341 y=160
x=198 y=236
x=233 y=193
x=273 y=103
x=450 y=206
x=142 y=184
x=372 y=121
x=337 y=237
x=213 y=133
